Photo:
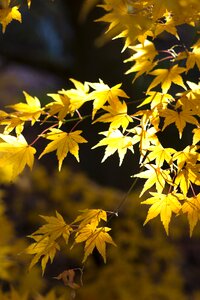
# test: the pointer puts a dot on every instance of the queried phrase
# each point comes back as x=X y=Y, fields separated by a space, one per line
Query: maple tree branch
x=124 y=199
x=192 y=188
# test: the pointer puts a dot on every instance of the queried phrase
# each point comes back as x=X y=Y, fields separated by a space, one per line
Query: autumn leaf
x=188 y=155
x=143 y=58
x=166 y=77
x=54 y=228
x=194 y=56
x=160 y=155
x=121 y=22
x=115 y=141
x=141 y=67
x=77 y=96
x=60 y=106
x=91 y=216
x=146 y=138
x=43 y=248
x=12 y=122
x=163 y=204
x=196 y=136
x=94 y=237
x=62 y=143
x=68 y=277
x=180 y=118
x=168 y=25
x=155 y=176
x=15 y=152
x=192 y=208
x=157 y=100
x=144 y=51
x=103 y=93
x=8 y=14
x=30 y=110
x=117 y=115
x=188 y=175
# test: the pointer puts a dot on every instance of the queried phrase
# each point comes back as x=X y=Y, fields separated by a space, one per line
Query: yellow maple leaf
x=11 y=122
x=94 y=237
x=122 y=24
x=193 y=57
x=180 y=118
x=54 y=228
x=91 y=216
x=115 y=141
x=8 y=14
x=60 y=106
x=143 y=58
x=30 y=110
x=144 y=51
x=146 y=138
x=103 y=93
x=77 y=96
x=117 y=115
x=166 y=77
x=43 y=248
x=169 y=25
x=163 y=204
x=159 y=154
x=62 y=143
x=155 y=176
x=158 y=100
x=188 y=175
x=188 y=155
x=16 y=153
x=141 y=67
x=192 y=208
x=196 y=136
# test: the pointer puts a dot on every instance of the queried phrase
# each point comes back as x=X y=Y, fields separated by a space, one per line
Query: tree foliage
x=171 y=98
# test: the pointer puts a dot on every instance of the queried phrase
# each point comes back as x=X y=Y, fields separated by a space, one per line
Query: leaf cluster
x=84 y=229
x=172 y=176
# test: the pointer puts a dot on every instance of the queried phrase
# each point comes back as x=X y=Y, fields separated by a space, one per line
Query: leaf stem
x=122 y=202
x=40 y=135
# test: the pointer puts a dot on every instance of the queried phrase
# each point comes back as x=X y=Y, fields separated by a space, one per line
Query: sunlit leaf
x=62 y=143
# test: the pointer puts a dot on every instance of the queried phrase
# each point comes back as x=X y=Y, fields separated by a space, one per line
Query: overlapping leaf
x=117 y=115
x=180 y=118
x=163 y=204
x=166 y=77
x=45 y=245
x=16 y=153
x=103 y=93
x=91 y=216
x=55 y=228
x=30 y=110
x=94 y=237
x=155 y=176
x=43 y=248
x=192 y=208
